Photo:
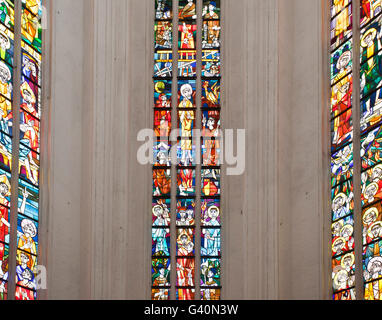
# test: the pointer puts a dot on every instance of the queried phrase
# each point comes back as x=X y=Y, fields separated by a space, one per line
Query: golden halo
x=341 y=272
x=155 y=207
x=371 y=31
x=340 y=195
x=183 y=233
x=4 y=179
x=370 y=263
x=373 y=209
x=373 y=184
x=210 y=208
x=345 y=256
x=346 y=53
x=338 y=240
x=347 y=226
x=25 y=87
x=371 y=227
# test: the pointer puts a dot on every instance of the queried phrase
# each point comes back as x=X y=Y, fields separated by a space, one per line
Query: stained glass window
x=194 y=206
x=25 y=221
x=341 y=124
x=371 y=166
x=161 y=204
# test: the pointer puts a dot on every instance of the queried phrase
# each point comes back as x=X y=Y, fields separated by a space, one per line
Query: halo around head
x=372 y=210
x=372 y=32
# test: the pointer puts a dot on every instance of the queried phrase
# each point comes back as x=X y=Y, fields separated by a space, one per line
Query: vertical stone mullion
x=356 y=151
x=174 y=117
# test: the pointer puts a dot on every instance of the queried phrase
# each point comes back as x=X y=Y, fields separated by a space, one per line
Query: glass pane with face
x=163 y=9
x=343 y=275
x=372 y=262
x=162 y=94
x=372 y=223
x=210 y=272
x=161 y=182
x=185 y=242
x=211 y=215
x=185 y=213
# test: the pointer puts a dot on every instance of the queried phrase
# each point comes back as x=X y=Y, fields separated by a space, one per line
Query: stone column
x=250 y=82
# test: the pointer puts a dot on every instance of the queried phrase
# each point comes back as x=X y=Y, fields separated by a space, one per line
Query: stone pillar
x=303 y=167
x=250 y=64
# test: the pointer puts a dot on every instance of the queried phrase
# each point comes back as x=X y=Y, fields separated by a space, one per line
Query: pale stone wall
x=95 y=231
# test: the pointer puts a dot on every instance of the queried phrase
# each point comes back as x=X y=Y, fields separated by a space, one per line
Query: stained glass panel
x=162 y=93
x=211 y=93
x=163 y=35
x=369 y=10
x=341 y=27
x=343 y=272
x=343 y=236
x=185 y=216
x=210 y=63
x=342 y=165
x=187 y=9
x=161 y=212
x=160 y=242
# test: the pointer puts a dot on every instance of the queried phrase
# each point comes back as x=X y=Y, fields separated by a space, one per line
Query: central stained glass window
x=186 y=88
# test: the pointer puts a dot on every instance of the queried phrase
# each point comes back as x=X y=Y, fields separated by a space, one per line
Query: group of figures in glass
x=29 y=145
x=370 y=84
x=186 y=164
